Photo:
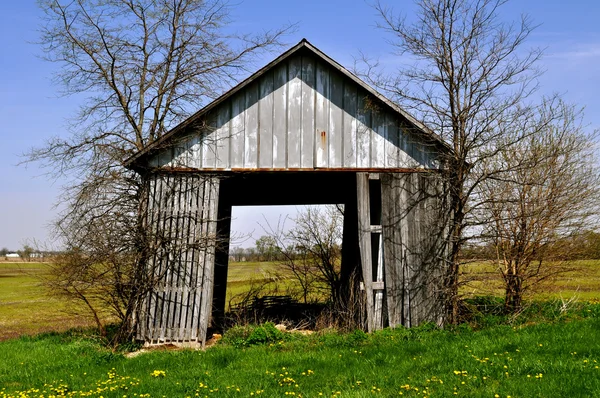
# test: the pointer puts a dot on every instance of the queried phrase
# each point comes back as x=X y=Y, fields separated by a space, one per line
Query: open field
x=27 y=308
x=558 y=358
x=265 y=278
x=581 y=281
x=548 y=352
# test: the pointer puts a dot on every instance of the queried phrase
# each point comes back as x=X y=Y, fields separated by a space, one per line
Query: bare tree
x=468 y=82
x=143 y=65
x=546 y=193
x=311 y=252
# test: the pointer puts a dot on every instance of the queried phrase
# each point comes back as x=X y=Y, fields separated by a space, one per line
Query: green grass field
x=546 y=352
x=558 y=358
x=26 y=307
x=581 y=281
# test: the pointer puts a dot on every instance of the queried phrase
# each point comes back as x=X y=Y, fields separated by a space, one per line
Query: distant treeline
x=28 y=253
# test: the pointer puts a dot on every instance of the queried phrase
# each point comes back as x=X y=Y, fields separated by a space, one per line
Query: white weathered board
x=300 y=114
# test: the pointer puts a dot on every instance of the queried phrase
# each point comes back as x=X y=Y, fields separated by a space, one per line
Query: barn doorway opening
x=284 y=264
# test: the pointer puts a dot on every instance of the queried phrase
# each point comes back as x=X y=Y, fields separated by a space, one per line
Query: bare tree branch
x=469 y=82
x=142 y=65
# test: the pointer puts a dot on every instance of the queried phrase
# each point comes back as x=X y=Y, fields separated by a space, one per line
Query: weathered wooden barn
x=302 y=130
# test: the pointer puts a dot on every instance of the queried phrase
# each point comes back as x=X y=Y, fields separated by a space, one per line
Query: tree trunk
x=514 y=292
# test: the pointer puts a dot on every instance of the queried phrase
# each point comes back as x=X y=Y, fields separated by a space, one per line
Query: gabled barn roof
x=419 y=133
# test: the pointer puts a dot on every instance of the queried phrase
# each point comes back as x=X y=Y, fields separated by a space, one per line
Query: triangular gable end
x=303 y=111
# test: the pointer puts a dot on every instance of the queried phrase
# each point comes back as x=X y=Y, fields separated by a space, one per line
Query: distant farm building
x=302 y=130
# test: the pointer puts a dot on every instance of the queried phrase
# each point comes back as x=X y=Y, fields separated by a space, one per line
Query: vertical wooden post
x=371 y=248
x=210 y=209
x=350 y=267
x=221 y=263
x=364 y=244
x=377 y=250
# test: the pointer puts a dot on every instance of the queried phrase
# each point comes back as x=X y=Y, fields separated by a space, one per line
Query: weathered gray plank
x=187 y=263
x=350 y=126
x=364 y=243
x=209 y=143
x=392 y=142
x=363 y=133
x=198 y=233
x=223 y=136
x=280 y=79
x=166 y=275
x=238 y=104
x=194 y=152
x=307 y=141
x=180 y=192
x=265 y=107
x=378 y=293
x=322 y=115
x=178 y=237
x=165 y=156
x=160 y=260
x=294 y=113
x=209 y=259
x=336 y=120
x=378 y=138
x=178 y=154
x=392 y=247
x=413 y=249
x=251 y=127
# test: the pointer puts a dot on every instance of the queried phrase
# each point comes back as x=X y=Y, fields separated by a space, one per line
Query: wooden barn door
x=181 y=219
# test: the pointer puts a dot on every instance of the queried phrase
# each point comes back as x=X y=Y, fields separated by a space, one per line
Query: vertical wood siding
x=414 y=224
x=301 y=114
x=181 y=216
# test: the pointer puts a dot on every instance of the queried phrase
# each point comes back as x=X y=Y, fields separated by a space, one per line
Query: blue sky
x=32 y=111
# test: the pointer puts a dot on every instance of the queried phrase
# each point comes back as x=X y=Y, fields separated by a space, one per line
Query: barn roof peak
x=136 y=160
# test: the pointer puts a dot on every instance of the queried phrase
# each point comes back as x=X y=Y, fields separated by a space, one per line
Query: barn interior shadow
x=276 y=189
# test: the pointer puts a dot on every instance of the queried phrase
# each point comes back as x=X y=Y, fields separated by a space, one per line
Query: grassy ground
x=27 y=308
x=559 y=358
x=581 y=281
x=546 y=352
x=244 y=275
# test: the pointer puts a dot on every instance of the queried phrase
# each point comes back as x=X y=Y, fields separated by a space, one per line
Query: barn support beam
x=369 y=242
x=350 y=267
x=221 y=264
